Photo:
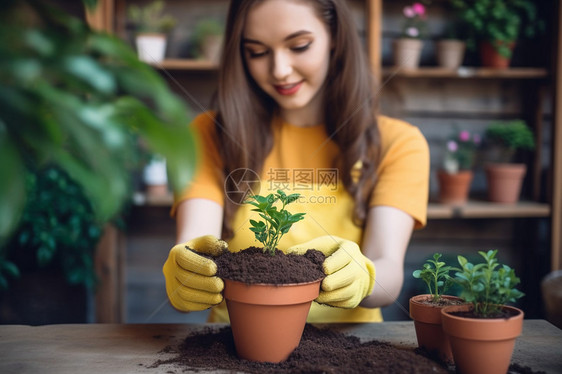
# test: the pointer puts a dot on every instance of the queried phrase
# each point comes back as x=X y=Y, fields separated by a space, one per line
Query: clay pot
x=454 y=188
x=489 y=56
x=268 y=320
x=481 y=345
x=505 y=181
x=427 y=322
x=407 y=53
x=450 y=53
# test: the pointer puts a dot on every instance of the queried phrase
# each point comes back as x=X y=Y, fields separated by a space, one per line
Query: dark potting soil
x=442 y=302
x=253 y=266
x=321 y=350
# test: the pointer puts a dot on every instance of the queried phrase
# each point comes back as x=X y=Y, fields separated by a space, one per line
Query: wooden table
x=121 y=348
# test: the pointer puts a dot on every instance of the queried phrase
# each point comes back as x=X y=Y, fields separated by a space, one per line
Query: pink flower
x=452 y=146
x=409 y=12
x=418 y=8
x=464 y=136
x=476 y=139
x=413 y=32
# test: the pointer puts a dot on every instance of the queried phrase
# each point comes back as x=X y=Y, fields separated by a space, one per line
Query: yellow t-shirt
x=301 y=161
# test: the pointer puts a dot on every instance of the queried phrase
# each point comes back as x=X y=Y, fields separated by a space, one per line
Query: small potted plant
x=482 y=333
x=504 y=177
x=407 y=49
x=450 y=48
x=207 y=39
x=151 y=28
x=268 y=318
x=494 y=26
x=425 y=309
x=456 y=174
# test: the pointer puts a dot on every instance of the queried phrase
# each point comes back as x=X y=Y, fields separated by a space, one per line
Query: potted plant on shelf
x=504 y=177
x=207 y=39
x=268 y=318
x=482 y=333
x=425 y=309
x=407 y=49
x=151 y=29
x=456 y=174
x=450 y=48
x=494 y=27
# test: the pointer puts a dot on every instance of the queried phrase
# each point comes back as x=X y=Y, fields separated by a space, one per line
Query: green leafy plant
x=435 y=274
x=203 y=29
x=81 y=100
x=500 y=22
x=508 y=137
x=488 y=285
x=276 y=223
x=150 y=18
x=58 y=230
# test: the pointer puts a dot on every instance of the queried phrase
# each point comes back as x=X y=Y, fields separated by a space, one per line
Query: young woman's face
x=287 y=50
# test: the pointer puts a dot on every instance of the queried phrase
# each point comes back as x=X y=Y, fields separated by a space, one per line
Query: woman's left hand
x=350 y=276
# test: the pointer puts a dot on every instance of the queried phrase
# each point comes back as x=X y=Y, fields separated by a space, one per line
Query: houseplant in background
x=450 y=48
x=425 y=309
x=494 y=27
x=407 y=49
x=456 y=174
x=503 y=175
x=151 y=30
x=268 y=319
x=79 y=100
x=483 y=332
x=207 y=39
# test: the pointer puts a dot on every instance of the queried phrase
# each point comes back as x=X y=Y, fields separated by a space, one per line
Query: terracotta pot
x=454 y=188
x=427 y=322
x=489 y=56
x=450 y=53
x=480 y=345
x=268 y=320
x=211 y=48
x=505 y=181
x=407 y=53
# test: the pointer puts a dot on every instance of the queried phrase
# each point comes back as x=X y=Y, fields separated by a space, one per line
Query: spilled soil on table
x=321 y=350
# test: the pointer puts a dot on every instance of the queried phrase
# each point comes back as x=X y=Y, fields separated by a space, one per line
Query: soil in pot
x=253 y=266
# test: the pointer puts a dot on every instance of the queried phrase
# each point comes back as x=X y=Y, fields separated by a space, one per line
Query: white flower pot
x=151 y=48
x=155 y=177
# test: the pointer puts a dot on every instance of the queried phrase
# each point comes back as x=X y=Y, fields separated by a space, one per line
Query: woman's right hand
x=191 y=281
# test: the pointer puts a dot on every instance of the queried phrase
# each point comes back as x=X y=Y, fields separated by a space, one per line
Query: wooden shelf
x=484 y=209
x=186 y=64
x=467 y=72
x=473 y=209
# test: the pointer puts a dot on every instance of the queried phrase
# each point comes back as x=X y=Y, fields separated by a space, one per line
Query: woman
x=296 y=110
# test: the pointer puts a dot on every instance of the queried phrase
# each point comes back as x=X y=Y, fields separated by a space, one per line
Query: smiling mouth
x=288 y=89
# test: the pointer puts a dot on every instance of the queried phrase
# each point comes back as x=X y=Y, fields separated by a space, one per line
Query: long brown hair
x=350 y=118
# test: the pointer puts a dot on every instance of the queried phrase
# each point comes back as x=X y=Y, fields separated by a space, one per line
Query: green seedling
x=276 y=223
x=435 y=274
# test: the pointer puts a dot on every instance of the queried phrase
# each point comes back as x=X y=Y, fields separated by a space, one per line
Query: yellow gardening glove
x=350 y=276
x=191 y=283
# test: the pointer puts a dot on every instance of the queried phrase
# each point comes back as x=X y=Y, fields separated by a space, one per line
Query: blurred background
x=94 y=139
